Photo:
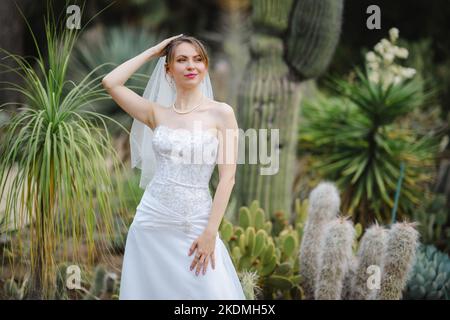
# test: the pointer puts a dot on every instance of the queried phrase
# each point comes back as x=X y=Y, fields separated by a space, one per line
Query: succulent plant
x=324 y=205
x=254 y=247
x=398 y=259
x=334 y=260
x=370 y=253
x=430 y=277
x=331 y=271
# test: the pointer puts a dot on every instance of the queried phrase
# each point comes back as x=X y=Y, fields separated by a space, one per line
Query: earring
x=171 y=83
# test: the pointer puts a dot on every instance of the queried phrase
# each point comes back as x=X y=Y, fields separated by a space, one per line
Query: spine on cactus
x=370 y=253
x=398 y=260
x=324 y=203
x=249 y=280
x=335 y=258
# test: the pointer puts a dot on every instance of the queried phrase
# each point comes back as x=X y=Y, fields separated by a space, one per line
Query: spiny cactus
x=398 y=259
x=370 y=253
x=324 y=202
x=249 y=281
x=392 y=250
x=334 y=260
x=349 y=280
x=313 y=35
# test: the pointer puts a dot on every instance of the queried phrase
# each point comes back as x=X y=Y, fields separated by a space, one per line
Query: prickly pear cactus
x=254 y=247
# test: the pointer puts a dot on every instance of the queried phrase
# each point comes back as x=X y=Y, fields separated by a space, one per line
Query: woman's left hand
x=204 y=245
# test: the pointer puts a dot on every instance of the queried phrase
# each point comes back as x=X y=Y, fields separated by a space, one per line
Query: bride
x=173 y=248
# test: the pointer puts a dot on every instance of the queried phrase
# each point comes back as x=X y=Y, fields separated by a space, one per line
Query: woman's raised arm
x=135 y=105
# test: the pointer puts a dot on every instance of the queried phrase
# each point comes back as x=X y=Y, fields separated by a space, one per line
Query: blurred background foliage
x=127 y=27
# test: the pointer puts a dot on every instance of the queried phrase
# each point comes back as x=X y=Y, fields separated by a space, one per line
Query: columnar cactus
x=398 y=260
x=336 y=255
x=370 y=253
x=270 y=93
x=324 y=202
x=331 y=271
x=347 y=286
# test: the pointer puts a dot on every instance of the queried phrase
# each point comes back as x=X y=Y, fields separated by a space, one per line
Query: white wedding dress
x=172 y=213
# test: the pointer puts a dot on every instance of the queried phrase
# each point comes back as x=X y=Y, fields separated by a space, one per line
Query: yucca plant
x=356 y=142
x=64 y=187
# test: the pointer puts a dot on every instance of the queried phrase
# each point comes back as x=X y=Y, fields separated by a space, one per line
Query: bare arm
x=136 y=106
x=227 y=160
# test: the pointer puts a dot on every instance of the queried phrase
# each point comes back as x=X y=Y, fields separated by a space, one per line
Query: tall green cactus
x=270 y=94
x=313 y=36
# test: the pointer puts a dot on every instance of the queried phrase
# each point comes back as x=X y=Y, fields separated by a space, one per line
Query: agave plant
x=356 y=142
x=65 y=163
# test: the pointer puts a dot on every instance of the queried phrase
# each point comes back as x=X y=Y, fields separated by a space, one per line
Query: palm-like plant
x=64 y=189
x=356 y=143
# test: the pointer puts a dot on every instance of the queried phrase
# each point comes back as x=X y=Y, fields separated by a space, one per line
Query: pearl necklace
x=183 y=112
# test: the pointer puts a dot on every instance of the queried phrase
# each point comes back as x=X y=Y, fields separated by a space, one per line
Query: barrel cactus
x=430 y=277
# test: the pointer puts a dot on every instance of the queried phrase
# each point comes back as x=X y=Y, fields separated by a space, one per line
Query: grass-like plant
x=58 y=165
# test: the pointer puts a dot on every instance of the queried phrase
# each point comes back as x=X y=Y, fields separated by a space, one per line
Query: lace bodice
x=178 y=193
x=184 y=158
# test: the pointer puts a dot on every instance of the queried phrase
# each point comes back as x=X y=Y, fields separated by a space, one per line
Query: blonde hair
x=169 y=50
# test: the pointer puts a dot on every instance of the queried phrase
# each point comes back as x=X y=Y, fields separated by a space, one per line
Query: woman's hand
x=204 y=245
x=159 y=48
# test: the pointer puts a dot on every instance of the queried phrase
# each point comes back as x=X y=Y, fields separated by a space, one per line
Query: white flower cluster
x=381 y=64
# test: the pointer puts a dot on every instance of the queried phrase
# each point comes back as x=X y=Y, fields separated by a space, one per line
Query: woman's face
x=187 y=61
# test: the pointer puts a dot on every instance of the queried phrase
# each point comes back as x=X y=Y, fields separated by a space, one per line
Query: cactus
x=249 y=280
x=313 y=36
x=324 y=205
x=339 y=274
x=401 y=246
x=349 y=280
x=334 y=260
x=430 y=277
x=270 y=95
x=370 y=253
x=254 y=247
